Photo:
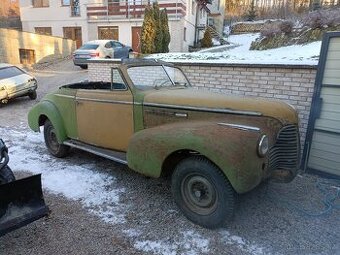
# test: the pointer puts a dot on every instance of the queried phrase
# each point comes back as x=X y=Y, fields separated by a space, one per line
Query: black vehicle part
x=21 y=203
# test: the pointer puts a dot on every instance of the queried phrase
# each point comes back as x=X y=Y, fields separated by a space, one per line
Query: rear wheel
x=54 y=147
x=83 y=66
x=33 y=95
x=202 y=192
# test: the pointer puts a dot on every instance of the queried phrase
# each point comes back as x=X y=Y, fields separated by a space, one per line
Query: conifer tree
x=148 y=32
x=207 y=39
x=158 y=25
x=166 y=32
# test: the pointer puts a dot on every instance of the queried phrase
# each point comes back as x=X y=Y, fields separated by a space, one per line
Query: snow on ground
x=100 y=194
x=238 y=53
x=76 y=182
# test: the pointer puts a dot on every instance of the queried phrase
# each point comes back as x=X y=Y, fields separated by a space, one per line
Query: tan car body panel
x=99 y=109
x=214 y=101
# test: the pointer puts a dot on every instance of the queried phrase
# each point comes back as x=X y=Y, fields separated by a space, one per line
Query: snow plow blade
x=21 y=202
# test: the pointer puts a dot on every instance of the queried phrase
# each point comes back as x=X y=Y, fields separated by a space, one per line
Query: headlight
x=263 y=146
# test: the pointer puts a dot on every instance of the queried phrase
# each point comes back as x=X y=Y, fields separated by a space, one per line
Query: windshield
x=9 y=72
x=156 y=77
x=89 y=47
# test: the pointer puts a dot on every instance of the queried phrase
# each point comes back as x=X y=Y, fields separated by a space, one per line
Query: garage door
x=323 y=140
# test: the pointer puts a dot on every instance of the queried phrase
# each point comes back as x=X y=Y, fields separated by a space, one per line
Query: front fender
x=233 y=150
x=50 y=111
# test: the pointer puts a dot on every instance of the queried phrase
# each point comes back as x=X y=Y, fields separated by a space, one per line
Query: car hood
x=14 y=82
x=204 y=100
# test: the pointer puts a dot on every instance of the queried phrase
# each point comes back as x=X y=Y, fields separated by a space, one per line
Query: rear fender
x=47 y=109
x=233 y=150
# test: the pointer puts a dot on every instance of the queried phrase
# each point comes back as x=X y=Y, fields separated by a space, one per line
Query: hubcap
x=53 y=140
x=199 y=194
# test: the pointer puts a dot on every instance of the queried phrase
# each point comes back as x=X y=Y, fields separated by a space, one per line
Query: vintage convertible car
x=150 y=118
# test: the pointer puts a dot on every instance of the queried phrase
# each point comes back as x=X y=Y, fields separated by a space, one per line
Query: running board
x=117 y=156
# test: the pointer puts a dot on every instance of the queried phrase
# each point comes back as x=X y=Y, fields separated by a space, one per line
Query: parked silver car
x=100 y=49
x=15 y=82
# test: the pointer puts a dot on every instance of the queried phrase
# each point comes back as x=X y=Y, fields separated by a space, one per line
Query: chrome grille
x=285 y=153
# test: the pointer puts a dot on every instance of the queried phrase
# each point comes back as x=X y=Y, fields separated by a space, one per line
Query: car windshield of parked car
x=156 y=77
x=89 y=47
x=9 y=72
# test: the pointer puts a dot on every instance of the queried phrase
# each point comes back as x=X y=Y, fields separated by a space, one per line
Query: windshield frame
x=163 y=66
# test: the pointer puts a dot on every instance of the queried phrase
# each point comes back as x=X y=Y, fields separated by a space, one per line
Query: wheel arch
x=43 y=111
x=155 y=151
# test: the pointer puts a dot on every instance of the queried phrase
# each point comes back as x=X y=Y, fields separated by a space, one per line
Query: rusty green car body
x=153 y=128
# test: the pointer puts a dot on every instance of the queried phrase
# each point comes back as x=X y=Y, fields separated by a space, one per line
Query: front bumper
x=80 y=61
x=16 y=92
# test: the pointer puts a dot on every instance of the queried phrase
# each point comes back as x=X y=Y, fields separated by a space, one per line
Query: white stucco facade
x=95 y=13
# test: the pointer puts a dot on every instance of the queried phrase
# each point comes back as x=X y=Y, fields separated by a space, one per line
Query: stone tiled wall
x=46 y=48
x=292 y=84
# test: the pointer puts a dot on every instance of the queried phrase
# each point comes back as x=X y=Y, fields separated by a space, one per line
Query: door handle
x=78 y=102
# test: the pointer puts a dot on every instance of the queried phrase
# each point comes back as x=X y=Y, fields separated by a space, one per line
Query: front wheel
x=54 y=147
x=33 y=95
x=202 y=192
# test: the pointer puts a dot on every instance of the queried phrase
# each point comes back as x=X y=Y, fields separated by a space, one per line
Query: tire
x=6 y=175
x=202 y=192
x=33 y=95
x=83 y=66
x=54 y=147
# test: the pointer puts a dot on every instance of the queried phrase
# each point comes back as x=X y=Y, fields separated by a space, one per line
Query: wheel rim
x=52 y=140
x=199 y=194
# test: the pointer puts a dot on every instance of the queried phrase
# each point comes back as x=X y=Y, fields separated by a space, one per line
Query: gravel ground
x=142 y=217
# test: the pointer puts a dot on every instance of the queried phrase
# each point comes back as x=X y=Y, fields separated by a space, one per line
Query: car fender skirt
x=47 y=110
x=233 y=150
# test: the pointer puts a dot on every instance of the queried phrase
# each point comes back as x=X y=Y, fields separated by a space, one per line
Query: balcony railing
x=133 y=9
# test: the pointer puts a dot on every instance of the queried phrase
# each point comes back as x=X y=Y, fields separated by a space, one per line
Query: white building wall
x=55 y=16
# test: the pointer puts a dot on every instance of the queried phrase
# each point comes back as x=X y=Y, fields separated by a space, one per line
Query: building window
x=185 y=34
x=27 y=57
x=218 y=4
x=40 y=3
x=75 y=8
x=108 y=33
x=65 y=2
x=43 y=30
x=193 y=7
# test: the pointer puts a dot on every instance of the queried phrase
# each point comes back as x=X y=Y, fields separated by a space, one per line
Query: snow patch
x=238 y=53
x=244 y=245
x=189 y=243
x=96 y=191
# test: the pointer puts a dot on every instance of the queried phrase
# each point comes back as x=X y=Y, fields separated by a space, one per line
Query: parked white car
x=100 y=49
x=15 y=82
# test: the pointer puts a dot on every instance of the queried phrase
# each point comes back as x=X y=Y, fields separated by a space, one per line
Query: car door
x=120 y=51
x=105 y=115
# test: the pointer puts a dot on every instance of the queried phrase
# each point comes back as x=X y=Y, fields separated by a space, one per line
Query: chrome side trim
x=204 y=109
x=96 y=152
x=103 y=101
x=60 y=95
x=242 y=127
x=182 y=115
